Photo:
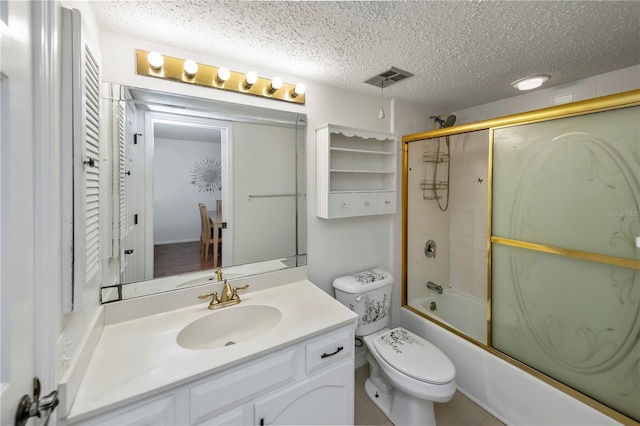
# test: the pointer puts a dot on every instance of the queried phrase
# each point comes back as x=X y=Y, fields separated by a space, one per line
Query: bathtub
x=509 y=393
x=465 y=313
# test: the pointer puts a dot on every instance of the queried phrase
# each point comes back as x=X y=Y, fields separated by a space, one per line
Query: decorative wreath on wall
x=207 y=175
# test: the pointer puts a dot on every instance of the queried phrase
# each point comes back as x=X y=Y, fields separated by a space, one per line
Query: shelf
x=434 y=185
x=361 y=171
x=361 y=151
x=356 y=172
x=435 y=157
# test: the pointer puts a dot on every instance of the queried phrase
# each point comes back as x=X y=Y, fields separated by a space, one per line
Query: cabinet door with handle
x=325 y=398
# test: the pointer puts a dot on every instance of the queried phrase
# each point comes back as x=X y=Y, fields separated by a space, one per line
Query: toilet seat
x=414 y=356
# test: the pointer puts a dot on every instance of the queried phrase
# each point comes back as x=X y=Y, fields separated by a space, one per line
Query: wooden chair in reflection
x=208 y=237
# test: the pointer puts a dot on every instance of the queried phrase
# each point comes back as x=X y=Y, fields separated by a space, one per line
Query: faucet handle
x=235 y=296
x=214 y=299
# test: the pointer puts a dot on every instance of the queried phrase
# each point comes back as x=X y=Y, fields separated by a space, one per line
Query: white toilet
x=407 y=373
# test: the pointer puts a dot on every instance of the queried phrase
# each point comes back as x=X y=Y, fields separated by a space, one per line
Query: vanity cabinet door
x=325 y=398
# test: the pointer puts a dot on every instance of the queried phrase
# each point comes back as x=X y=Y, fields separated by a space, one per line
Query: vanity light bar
x=187 y=71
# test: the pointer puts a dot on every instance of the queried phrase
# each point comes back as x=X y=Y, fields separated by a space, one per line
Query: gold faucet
x=219 y=273
x=229 y=296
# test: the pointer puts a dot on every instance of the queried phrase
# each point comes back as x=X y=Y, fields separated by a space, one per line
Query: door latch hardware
x=90 y=162
x=128 y=251
x=28 y=408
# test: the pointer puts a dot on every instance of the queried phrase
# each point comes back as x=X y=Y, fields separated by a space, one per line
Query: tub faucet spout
x=434 y=286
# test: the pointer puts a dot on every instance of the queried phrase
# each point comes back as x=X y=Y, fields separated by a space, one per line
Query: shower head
x=450 y=121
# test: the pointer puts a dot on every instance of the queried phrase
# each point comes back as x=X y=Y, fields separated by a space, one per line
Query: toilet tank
x=368 y=294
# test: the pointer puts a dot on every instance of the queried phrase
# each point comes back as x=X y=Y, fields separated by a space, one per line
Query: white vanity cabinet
x=356 y=172
x=293 y=385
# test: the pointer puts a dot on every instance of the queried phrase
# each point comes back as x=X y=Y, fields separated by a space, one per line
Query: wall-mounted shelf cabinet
x=356 y=172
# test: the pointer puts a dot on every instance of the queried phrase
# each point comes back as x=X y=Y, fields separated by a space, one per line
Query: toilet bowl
x=407 y=374
x=405 y=386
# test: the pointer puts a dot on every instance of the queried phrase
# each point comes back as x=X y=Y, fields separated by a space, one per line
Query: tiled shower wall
x=468 y=213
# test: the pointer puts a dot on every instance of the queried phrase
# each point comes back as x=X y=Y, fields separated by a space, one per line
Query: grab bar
x=270 y=195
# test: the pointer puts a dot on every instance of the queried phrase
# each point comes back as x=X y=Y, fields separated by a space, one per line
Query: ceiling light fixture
x=529 y=83
x=154 y=64
x=190 y=68
x=300 y=89
x=381 y=113
x=155 y=60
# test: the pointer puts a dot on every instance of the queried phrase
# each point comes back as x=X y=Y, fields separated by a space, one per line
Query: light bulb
x=223 y=74
x=156 y=61
x=300 y=89
x=381 y=114
x=276 y=84
x=190 y=68
x=250 y=79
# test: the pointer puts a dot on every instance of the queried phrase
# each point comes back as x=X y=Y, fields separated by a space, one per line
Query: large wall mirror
x=172 y=154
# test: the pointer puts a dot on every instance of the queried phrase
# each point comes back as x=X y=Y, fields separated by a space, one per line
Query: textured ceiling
x=463 y=53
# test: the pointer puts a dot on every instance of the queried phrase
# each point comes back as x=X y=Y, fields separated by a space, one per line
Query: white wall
x=176 y=217
x=468 y=213
x=263 y=164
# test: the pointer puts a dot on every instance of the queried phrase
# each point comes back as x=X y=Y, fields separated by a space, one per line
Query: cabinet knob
x=387 y=202
x=343 y=205
x=366 y=203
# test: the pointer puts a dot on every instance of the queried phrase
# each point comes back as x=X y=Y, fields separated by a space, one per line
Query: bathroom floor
x=459 y=411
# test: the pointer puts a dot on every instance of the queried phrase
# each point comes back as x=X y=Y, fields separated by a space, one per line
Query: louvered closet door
x=92 y=170
x=87 y=163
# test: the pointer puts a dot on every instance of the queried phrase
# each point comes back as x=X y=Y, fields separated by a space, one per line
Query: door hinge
x=224 y=225
x=135 y=219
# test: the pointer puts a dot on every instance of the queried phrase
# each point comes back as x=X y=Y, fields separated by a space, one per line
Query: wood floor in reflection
x=173 y=259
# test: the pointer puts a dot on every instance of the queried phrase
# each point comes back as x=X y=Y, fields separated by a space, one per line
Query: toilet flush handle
x=360 y=296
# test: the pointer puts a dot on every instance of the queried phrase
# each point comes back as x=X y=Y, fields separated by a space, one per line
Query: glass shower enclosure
x=541 y=240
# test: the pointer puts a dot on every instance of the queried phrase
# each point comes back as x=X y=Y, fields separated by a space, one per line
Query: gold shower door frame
x=605 y=103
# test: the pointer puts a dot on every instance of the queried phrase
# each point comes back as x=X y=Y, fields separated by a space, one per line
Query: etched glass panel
x=575 y=320
x=572 y=183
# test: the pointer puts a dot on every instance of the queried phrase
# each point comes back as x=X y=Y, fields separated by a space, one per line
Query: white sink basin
x=229 y=326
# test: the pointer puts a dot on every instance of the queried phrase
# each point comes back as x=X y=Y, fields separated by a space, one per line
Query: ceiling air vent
x=389 y=77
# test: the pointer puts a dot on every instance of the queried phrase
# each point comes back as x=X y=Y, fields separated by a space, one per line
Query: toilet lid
x=414 y=356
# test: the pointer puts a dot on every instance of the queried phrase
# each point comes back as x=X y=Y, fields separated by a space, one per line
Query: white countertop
x=140 y=357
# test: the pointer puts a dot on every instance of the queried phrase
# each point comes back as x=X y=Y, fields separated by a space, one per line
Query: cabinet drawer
x=386 y=202
x=364 y=203
x=240 y=384
x=159 y=411
x=340 y=205
x=329 y=349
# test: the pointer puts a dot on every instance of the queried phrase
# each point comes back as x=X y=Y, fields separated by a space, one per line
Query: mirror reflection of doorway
x=187 y=172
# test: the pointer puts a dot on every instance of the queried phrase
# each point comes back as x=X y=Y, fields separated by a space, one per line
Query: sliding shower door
x=565 y=268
